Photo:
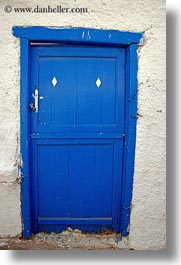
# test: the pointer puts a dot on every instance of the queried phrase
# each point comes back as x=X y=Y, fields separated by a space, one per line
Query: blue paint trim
x=130 y=136
x=83 y=36
x=112 y=37
x=72 y=141
x=81 y=221
x=76 y=135
x=24 y=138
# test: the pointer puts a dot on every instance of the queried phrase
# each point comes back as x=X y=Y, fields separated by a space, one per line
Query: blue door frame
x=80 y=36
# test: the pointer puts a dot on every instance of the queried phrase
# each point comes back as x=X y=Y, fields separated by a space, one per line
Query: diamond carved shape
x=54 y=81
x=98 y=82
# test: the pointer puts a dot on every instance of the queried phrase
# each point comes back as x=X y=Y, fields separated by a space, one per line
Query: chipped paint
x=141 y=43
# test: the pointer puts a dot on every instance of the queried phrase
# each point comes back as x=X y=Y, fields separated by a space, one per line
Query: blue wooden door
x=77 y=137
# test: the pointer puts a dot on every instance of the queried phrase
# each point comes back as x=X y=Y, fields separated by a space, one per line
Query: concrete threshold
x=69 y=239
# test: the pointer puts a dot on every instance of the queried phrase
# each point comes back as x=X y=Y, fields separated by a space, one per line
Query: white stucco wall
x=148 y=216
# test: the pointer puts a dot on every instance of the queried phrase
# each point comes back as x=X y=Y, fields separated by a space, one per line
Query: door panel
x=58 y=103
x=84 y=97
x=53 y=180
x=72 y=177
x=76 y=137
x=76 y=99
x=90 y=110
x=90 y=178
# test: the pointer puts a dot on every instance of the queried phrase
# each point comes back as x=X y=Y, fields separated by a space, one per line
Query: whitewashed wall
x=147 y=227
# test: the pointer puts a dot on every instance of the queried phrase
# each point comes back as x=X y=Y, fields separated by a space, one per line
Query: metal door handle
x=35 y=105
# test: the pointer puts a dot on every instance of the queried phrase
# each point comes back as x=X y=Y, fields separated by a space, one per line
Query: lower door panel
x=74 y=184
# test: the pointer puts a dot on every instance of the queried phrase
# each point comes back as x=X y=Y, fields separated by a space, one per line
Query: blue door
x=77 y=128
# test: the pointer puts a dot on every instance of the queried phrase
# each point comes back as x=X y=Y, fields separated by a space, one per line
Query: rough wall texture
x=148 y=225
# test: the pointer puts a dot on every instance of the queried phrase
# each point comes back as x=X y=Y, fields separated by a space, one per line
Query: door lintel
x=77 y=35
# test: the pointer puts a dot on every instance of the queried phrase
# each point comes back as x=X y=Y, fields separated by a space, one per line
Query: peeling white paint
x=141 y=43
x=8 y=174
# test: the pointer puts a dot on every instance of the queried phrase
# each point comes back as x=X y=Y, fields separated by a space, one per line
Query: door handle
x=35 y=105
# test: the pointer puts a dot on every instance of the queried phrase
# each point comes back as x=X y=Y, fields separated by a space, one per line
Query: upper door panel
x=80 y=89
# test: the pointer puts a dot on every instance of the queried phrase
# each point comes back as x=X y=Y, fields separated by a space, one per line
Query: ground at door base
x=68 y=239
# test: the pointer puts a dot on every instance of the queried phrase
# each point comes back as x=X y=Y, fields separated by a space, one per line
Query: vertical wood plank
x=117 y=185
